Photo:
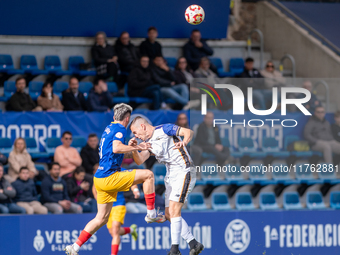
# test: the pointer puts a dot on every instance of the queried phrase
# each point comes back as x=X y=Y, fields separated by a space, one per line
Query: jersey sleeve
x=171 y=129
x=120 y=135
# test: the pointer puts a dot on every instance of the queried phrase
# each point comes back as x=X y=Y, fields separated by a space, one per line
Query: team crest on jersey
x=119 y=135
x=107 y=130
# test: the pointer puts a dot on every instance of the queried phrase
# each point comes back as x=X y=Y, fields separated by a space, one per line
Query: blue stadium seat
x=220 y=202
x=73 y=66
x=159 y=171
x=219 y=65
x=59 y=87
x=314 y=200
x=268 y=201
x=29 y=64
x=327 y=173
x=335 y=199
x=33 y=148
x=271 y=146
x=53 y=65
x=6 y=65
x=236 y=66
x=244 y=201
x=112 y=87
x=125 y=98
x=209 y=173
x=256 y=174
x=281 y=175
x=51 y=144
x=304 y=174
x=78 y=142
x=196 y=202
x=234 y=176
x=171 y=61
x=5 y=146
x=247 y=146
x=85 y=87
x=291 y=201
x=34 y=88
x=9 y=90
x=226 y=143
x=300 y=154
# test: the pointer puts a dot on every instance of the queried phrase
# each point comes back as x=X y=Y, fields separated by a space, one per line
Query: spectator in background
x=49 y=101
x=3 y=159
x=163 y=76
x=273 y=77
x=54 y=193
x=19 y=158
x=105 y=58
x=21 y=101
x=313 y=102
x=182 y=120
x=318 y=133
x=79 y=191
x=127 y=52
x=89 y=153
x=26 y=193
x=336 y=126
x=73 y=100
x=100 y=99
x=7 y=192
x=183 y=73
x=195 y=49
x=141 y=83
x=150 y=47
x=249 y=70
x=67 y=157
x=209 y=140
x=132 y=203
x=204 y=71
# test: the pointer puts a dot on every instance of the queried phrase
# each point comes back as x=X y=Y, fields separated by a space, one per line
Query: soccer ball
x=194 y=14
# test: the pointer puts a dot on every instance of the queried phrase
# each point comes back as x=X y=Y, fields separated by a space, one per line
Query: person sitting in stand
x=48 y=100
x=73 y=100
x=100 y=99
x=150 y=47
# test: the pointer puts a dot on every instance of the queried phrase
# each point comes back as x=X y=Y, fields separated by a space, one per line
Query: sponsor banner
x=234 y=232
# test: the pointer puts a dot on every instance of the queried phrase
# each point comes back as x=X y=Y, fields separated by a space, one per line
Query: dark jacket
x=127 y=56
x=202 y=134
x=152 y=50
x=3 y=159
x=180 y=77
x=336 y=132
x=100 y=55
x=99 y=102
x=139 y=79
x=53 y=191
x=72 y=103
x=194 y=54
x=252 y=80
x=253 y=74
x=162 y=77
x=8 y=191
x=73 y=188
x=316 y=129
x=90 y=157
x=26 y=191
x=20 y=102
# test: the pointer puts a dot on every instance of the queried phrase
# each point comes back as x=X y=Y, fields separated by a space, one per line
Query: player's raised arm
x=120 y=148
x=139 y=157
x=187 y=133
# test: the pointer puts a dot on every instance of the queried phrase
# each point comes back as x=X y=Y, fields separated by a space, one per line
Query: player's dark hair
x=121 y=111
x=23 y=168
x=19 y=78
x=152 y=28
x=66 y=133
x=53 y=164
x=249 y=59
x=92 y=135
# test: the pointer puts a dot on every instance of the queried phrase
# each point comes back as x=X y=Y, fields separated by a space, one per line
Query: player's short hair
x=23 y=168
x=138 y=120
x=152 y=28
x=121 y=111
x=53 y=164
x=66 y=133
x=92 y=135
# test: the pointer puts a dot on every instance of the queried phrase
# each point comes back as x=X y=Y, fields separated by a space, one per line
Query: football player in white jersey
x=180 y=179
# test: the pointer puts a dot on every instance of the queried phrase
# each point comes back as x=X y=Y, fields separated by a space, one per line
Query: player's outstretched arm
x=187 y=136
x=120 y=148
x=140 y=157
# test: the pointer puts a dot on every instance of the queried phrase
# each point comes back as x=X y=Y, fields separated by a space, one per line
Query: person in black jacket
x=26 y=196
x=163 y=76
x=100 y=99
x=54 y=193
x=195 y=49
x=105 y=58
x=89 y=153
x=80 y=190
x=73 y=100
x=127 y=52
x=150 y=47
x=21 y=101
x=140 y=83
x=209 y=140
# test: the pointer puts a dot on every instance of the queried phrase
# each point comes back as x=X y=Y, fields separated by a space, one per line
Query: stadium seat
x=196 y=202
x=6 y=65
x=304 y=174
x=159 y=171
x=112 y=87
x=137 y=100
x=257 y=175
x=33 y=148
x=271 y=146
x=234 y=176
x=300 y=154
x=236 y=66
x=314 y=200
x=171 y=61
x=73 y=66
x=53 y=65
x=226 y=143
x=291 y=201
x=219 y=65
x=34 y=88
x=5 y=146
x=247 y=146
x=9 y=90
x=78 y=142
x=220 y=202
x=210 y=175
x=244 y=201
x=268 y=201
x=59 y=87
x=85 y=87
x=335 y=200
x=29 y=64
x=327 y=173
x=281 y=176
x=51 y=144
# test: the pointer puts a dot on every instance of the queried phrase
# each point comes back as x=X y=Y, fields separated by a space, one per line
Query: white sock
x=176 y=227
x=76 y=247
x=185 y=232
x=152 y=213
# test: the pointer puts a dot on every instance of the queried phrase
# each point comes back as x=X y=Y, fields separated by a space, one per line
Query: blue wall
x=86 y=17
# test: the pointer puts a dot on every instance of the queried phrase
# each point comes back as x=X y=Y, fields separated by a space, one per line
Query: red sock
x=127 y=230
x=84 y=236
x=150 y=201
x=114 y=249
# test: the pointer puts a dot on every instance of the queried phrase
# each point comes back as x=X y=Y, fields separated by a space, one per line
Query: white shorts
x=178 y=186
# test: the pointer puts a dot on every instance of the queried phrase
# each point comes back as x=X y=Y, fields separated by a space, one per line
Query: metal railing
x=325 y=85
x=309 y=29
x=258 y=31
x=291 y=58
